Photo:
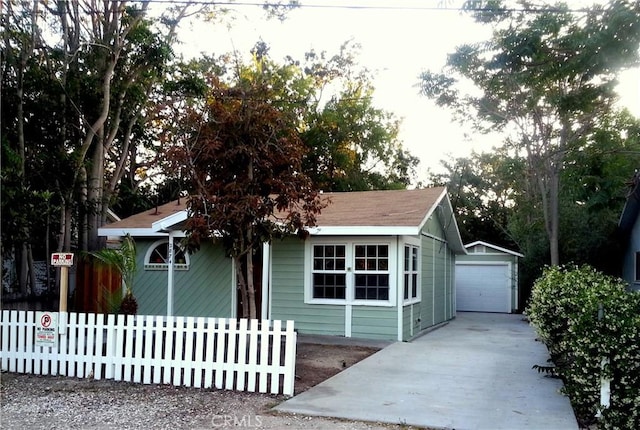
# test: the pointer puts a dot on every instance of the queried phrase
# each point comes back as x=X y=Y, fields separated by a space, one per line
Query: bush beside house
x=584 y=316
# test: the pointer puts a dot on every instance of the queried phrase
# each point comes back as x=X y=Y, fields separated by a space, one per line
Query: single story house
x=629 y=226
x=487 y=279
x=378 y=265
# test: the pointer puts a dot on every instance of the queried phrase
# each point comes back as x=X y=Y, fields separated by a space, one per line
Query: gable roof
x=391 y=212
x=391 y=208
x=494 y=247
x=141 y=224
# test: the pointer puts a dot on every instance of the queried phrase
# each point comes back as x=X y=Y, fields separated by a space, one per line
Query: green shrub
x=584 y=316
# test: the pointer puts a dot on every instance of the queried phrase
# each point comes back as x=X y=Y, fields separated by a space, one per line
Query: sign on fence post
x=46 y=329
x=63 y=260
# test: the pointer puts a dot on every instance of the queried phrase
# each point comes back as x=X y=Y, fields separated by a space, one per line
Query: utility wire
x=370 y=6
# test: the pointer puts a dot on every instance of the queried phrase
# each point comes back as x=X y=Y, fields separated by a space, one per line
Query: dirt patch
x=316 y=363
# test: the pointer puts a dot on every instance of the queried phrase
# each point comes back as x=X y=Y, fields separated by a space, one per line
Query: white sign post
x=46 y=329
x=63 y=260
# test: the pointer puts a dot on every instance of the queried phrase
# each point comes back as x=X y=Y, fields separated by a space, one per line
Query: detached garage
x=487 y=279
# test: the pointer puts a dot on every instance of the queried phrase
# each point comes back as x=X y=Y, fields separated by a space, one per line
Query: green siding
x=287 y=293
x=150 y=286
x=411 y=320
x=428 y=282
x=203 y=290
x=374 y=322
x=433 y=228
x=287 y=301
x=438 y=289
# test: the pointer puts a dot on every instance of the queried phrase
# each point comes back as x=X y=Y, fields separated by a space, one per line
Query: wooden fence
x=244 y=355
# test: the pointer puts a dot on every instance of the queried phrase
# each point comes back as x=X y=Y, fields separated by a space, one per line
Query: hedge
x=584 y=316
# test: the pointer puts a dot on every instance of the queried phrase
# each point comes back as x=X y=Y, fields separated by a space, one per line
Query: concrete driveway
x=473 y=373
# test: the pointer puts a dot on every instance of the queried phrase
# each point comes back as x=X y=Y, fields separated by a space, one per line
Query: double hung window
x=329 y=275
x=350 y=273
x=410 y=273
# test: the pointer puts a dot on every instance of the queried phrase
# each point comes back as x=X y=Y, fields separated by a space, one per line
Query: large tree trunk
x=95 y=183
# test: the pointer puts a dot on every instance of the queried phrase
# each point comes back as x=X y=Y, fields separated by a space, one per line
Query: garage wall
x=496 y=263
x=484 y=287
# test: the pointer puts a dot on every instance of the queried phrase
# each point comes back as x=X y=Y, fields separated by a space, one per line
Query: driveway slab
x=473 y=373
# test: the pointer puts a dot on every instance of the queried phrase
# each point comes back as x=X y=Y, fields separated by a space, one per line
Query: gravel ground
x=50 y=402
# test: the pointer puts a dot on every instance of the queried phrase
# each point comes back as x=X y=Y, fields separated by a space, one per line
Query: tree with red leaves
x=245 y=160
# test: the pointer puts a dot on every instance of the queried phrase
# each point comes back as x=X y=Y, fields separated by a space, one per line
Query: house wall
x=203 y=290
x=288 y=301
x=410 y=322
x=436 y=305
x=629 y=263
x=437 y=282
x=287 y=293
x=480 y=254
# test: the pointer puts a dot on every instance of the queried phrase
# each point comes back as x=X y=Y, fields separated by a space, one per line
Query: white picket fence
x=232 y=354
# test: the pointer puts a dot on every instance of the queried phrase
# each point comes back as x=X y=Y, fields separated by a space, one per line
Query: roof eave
x=133 y=232
x=169 y=223
x=496 y=247
x=364 y=230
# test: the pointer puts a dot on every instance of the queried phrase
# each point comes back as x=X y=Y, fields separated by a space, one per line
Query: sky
x=398 y=39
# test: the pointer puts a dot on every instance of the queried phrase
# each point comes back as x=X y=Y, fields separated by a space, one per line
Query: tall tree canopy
x=76 y=82
x=493 y=201
x=267 y=138
x=245 y=160
x=547 y=79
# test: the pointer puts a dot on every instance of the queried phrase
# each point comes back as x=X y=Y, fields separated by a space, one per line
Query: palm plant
x=123 y=260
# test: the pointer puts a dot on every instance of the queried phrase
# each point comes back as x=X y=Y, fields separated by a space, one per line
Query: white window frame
x=165 y=266
x=333 y=271
x=417 y=271
x=350 y=244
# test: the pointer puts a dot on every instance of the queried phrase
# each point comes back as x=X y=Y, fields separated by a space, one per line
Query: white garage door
x=483 y=288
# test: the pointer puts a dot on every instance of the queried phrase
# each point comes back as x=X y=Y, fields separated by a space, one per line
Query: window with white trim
x=371 y=272
x=157 y=257
x=410 y=271
x=329 y=274
x=350 y=272
x=637 y=267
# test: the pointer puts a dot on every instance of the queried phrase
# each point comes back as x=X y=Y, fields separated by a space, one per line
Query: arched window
x=157 y=257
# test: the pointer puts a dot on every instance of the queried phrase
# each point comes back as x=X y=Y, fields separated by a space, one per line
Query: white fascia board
x=166 y=223
x=135 y=232
x=452 y=233
x=432 y=209
x=496 y=247
x=364 y=231
x=453 y=227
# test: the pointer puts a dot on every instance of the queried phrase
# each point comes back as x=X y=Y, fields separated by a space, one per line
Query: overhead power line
x=369 y=6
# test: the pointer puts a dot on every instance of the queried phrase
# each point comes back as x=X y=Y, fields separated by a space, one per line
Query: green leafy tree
x=547 y=79
x=353 y=145
x=485 y=188
x=493 y=201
